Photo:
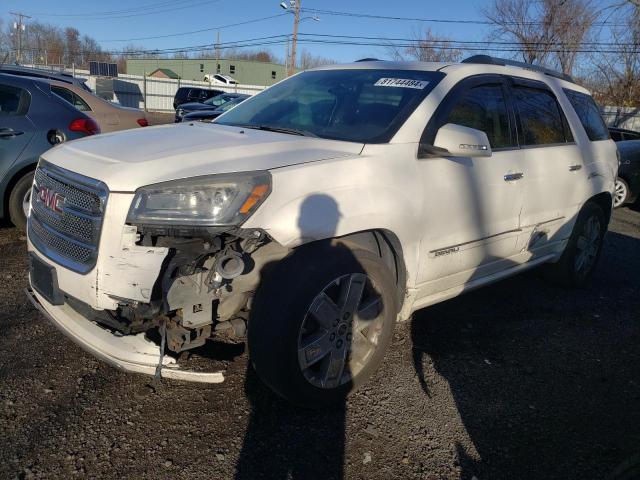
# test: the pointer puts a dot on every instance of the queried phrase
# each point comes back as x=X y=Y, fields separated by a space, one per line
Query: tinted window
x=13 y=101
x=616 y=136
x=353 y=105
x=540 y=117
x=71 y=97
x=589 y=115
x=484 y=108
x=631 y=136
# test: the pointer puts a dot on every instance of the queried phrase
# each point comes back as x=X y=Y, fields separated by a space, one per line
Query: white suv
x=316 y=214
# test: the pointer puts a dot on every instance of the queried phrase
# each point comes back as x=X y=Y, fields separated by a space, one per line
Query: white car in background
x=219 y=79
x=316 y=214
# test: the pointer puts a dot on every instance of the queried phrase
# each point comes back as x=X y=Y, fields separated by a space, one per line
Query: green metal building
x=246 y=72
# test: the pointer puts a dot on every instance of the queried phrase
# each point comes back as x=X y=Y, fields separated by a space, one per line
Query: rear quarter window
x=541 y=120
x=13 y=101
x=589 y=115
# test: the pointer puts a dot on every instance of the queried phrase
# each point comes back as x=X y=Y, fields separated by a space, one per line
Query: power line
x=255 y=20
x=430 y=20
x=149 y=10
x=437 y=42
x=340 y=40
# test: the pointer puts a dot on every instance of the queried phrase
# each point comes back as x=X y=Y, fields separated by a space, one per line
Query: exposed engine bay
x=204 y=289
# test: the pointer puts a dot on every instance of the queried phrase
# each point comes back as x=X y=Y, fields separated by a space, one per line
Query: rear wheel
x=321 y=323
x=19 y=201
x=621 y=193
x=580 y=257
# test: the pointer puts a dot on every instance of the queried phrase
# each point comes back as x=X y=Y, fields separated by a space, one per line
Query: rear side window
x=71 y=97
x=541 y=120
x=589 y=115
x=485 y=108
x=13 y=101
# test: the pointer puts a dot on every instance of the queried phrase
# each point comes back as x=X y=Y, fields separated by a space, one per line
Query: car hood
x=130 y=159
x=195 y=106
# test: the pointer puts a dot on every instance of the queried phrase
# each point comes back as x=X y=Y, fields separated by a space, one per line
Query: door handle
x=575 y=168
x=512 y=177
x=9 y=132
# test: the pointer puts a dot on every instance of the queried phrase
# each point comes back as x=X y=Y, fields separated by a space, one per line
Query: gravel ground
x=519 y=380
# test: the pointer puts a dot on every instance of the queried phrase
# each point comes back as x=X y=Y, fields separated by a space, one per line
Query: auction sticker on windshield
x=401 y=82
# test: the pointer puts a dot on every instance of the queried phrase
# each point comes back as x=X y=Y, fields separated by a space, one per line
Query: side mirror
x=457 y=141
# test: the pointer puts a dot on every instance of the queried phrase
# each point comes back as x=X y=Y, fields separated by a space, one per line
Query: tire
x=576 y=265
x=19 y=194
x=281 y=323
x=621 y=193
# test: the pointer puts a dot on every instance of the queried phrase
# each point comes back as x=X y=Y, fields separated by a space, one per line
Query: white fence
x=628 y=118
x=157 y=94
x=150 y=93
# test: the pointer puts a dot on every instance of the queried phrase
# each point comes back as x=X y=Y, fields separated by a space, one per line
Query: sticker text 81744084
x=402 y=83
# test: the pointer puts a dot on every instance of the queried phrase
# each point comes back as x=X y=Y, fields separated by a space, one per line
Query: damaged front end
x=172 y=266
x=204 y=289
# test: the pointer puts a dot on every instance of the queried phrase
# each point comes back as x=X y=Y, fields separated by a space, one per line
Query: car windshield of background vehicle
x=365 y=106
x=217 y=101
x=71 y=98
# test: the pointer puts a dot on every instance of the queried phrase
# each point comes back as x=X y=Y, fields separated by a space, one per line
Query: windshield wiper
x=269 y=128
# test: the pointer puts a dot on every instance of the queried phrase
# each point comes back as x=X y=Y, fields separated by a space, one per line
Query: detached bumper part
x=131 y=353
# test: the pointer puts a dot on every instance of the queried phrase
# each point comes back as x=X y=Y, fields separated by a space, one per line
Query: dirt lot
x=520 y=380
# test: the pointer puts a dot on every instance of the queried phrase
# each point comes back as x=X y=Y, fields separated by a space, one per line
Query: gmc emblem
x=51 y=199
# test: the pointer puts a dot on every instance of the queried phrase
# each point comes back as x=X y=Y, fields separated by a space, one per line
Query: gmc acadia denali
x=316 y=214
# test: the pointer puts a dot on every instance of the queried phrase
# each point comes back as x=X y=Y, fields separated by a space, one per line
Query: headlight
x=216 y=200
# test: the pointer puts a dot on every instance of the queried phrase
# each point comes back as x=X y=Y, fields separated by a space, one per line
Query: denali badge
x=51 y=199
x=446 y=251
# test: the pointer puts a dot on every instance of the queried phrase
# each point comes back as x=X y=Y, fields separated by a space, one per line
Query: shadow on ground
x=533 y=418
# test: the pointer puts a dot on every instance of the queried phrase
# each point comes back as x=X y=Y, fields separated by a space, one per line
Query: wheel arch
x=383 y=243
x=605 y=201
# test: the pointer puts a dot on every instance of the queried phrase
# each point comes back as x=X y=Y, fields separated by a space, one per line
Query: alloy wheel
x=620 y=193
x=340 y=331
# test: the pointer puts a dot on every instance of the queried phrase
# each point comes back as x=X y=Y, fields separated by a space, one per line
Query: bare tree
x=307 y=60
x=546 y=31
x=426 y=46
x=616 y=77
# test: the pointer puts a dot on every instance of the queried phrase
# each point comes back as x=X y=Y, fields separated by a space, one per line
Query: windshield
x=365 y=106
x=219 y=100
x=229 y=105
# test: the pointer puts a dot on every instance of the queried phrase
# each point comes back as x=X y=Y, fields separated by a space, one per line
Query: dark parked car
x=210 y=104
x=32 y=120
x=208 y=115
x=628 y=181
x=620 y=134
x=193 y=94
x=42 y=73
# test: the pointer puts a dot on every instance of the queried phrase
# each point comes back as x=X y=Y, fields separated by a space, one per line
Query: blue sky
x=188 y=15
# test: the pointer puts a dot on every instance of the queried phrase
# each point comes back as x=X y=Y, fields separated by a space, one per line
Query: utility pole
x=19 y=26
x=294 y=39
x=217 y=48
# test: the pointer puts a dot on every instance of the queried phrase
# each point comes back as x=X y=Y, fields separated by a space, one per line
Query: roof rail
x=489 y=60
x=368 y=60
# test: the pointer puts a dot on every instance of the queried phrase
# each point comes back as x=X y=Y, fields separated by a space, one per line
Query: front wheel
x=321 y=322
x=19 y=200
x=580 y=256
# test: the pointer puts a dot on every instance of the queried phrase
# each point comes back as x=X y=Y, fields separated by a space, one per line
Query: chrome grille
x=66 y=216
